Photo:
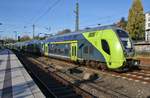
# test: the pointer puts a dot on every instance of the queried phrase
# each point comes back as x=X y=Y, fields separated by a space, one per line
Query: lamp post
x=0 y=31
x=77 y=16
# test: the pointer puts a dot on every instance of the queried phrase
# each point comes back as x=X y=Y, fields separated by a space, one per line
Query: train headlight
x=136 y=62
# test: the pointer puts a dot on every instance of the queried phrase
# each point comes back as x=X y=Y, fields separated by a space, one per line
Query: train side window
x=85 y=49
x=91 y=49
x=66 y=51
x=81 y=46
x=105 y=46
x=55 y=50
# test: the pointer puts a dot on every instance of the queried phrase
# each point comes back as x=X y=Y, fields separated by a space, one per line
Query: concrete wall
x=142 y=49
x=145 y=48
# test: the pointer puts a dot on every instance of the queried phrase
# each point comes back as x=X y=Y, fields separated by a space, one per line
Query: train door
x=46 y=49
x=74 y=51
x=42 y=49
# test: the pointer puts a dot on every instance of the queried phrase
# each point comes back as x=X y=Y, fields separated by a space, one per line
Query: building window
x=148 y=24
x=148 y=18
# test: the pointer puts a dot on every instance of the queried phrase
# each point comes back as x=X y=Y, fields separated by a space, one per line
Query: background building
x=147 y=26
x=1 y=43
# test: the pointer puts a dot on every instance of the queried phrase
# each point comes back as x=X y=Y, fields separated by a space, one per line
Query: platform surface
x=15 y=82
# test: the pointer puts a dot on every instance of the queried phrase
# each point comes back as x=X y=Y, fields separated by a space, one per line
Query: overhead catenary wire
x=107 y=19
x=53 y=4
x=56 y=3
x=43 y=14
x=50 y=8
x=38 y=10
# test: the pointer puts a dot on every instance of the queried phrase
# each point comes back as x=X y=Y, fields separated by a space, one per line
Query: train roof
x=69 y=36
x=27 y=42
x=72 y=35
x=88 y=30
x=33 y=42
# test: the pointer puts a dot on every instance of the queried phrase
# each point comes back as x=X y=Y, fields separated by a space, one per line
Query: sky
x=20 y=15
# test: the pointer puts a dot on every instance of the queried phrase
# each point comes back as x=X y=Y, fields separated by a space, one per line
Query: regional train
x=106 y=47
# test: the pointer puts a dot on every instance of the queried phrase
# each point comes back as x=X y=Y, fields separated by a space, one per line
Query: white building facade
x=147 y=26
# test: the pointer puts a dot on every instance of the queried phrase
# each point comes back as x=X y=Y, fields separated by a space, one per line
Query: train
x=105 y=47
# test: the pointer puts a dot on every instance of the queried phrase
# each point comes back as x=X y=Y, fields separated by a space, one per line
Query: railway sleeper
x=53 y=83
x=60 y=88
x=65 y=92
x=55 y=86
x=71 y=95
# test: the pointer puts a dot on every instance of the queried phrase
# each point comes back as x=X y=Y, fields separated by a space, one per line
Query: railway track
x=52 y=85
x=142 y=75
x=137 y=76
x=94 y=87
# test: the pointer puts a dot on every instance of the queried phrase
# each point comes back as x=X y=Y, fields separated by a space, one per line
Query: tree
x=136 y=20
x=65 y=31
x=9 y=40
x=25 y=38
x=122 y=23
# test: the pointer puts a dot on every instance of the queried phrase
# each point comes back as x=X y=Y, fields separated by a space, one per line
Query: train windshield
x=124 y=37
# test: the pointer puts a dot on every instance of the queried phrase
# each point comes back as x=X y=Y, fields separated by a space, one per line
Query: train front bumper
x=132 y=63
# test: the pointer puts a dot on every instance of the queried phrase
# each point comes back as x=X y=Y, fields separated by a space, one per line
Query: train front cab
x=108 y=45
x=112 y=48
x=128 y=50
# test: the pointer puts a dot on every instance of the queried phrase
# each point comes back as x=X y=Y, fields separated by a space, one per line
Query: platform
x=15 y=82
